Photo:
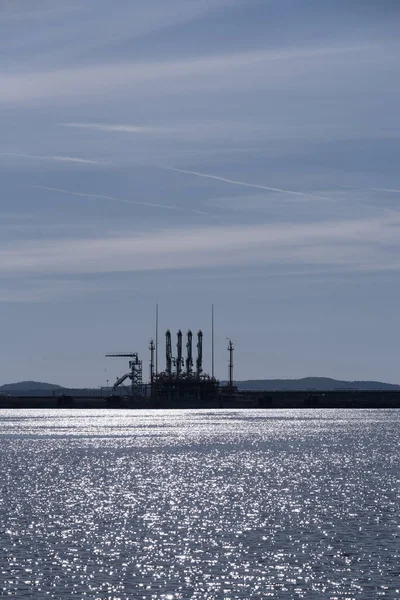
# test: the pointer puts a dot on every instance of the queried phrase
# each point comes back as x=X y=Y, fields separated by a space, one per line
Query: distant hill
x=29 y=386
x=323 y=384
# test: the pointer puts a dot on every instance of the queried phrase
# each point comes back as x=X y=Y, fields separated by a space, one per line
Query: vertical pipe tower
x=179 y=359
x=152 y=348
x=168 y=353
x=230 y=350
x=189 y=356
x=199 y=360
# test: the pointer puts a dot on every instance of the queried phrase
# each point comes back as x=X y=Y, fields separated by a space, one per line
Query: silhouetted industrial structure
x=183 y=381
x=179 y=382
x=134 y=374
x=184 y=384
x=230 y=350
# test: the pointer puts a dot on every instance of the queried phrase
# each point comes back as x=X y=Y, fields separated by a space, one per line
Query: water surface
x=217 y=504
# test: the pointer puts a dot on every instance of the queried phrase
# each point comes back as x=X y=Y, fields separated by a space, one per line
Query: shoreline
x=242 y=400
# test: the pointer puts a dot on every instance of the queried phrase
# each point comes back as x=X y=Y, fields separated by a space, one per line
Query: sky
x=241 y=153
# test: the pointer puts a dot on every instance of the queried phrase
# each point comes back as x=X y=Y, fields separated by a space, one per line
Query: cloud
x=172 y=169
x=56 y=158
x=390 y=191
x=116 y=199
x=242 y=129
x=188 y=130
x=227 y=71
x=95 y=29
x=46 y=290
x=141 y=129
x=40 y=10
x=357 y=244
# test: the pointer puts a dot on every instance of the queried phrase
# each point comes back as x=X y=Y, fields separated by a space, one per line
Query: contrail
x=242 y=183
x=115 y=199
x=384 y=190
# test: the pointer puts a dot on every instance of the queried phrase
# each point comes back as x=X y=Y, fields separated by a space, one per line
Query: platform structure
x=134 y=375
x=180 y=382
x=174 y=390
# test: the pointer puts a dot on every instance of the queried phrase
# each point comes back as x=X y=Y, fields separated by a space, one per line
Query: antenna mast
x=230 y=350
x=212 y=341
x=157 y=338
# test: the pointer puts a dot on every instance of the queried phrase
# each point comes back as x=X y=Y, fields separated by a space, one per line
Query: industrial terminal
x=182 y=382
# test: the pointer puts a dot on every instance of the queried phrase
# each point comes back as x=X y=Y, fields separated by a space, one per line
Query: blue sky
x=237 y=152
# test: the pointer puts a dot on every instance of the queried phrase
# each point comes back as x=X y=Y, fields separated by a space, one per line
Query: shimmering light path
x=214 y=505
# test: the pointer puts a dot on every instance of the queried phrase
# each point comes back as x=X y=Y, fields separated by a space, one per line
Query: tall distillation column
x=189 y=355
x=179 y=359
x=168 y=353
x=199 y=360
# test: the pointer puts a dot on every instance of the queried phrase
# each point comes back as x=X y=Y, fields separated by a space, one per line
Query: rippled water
x=199 y=504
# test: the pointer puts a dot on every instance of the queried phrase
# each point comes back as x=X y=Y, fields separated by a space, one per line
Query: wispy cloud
x=358 y=244
x=43 y=11
x=141 y=129
x=187 y=130
x=55 y=157
x=390 y=191
x=48 y=290
x=117 y=199
x=94 y=27
x=244 y=128
x=227 y=71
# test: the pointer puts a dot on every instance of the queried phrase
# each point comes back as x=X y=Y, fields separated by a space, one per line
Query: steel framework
x=135 y=374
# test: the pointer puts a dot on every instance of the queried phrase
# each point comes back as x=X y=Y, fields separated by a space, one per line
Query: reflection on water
x=199 y=504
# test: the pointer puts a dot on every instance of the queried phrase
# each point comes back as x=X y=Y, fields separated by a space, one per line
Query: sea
x=200 y=504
